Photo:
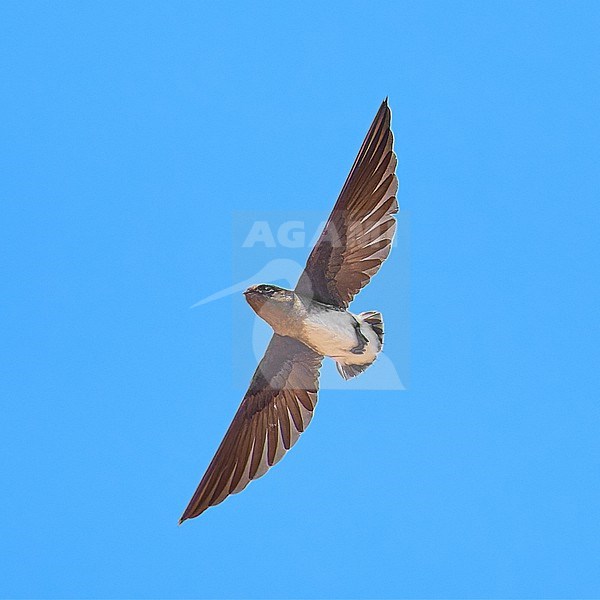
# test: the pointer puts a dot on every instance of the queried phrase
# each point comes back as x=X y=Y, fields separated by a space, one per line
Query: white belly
x=333 y=333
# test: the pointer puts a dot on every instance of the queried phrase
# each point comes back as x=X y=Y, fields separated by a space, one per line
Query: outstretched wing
x=275 y=410
x=358 y=235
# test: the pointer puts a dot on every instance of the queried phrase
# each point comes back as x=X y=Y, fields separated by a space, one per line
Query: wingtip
x=191 y=514
x=385 y=106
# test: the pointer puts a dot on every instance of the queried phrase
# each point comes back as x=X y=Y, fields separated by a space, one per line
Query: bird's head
x=270 y=302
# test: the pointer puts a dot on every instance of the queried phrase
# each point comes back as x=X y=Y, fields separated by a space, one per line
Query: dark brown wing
x=275 y=410
x=358 y=235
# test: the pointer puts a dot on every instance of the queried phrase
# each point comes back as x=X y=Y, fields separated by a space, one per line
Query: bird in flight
x=311 y=322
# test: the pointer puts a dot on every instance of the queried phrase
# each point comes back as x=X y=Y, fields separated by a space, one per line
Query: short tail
x=375 y=320
x=349 y=371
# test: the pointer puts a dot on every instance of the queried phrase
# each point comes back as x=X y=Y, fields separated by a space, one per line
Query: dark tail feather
x=375 y=320
x=349 y=371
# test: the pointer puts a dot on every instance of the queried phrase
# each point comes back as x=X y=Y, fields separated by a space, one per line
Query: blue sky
x=131 y=134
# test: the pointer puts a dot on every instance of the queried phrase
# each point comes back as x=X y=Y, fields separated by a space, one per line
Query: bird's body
x=312 y=322
x=352 y=341
x=333 y=333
